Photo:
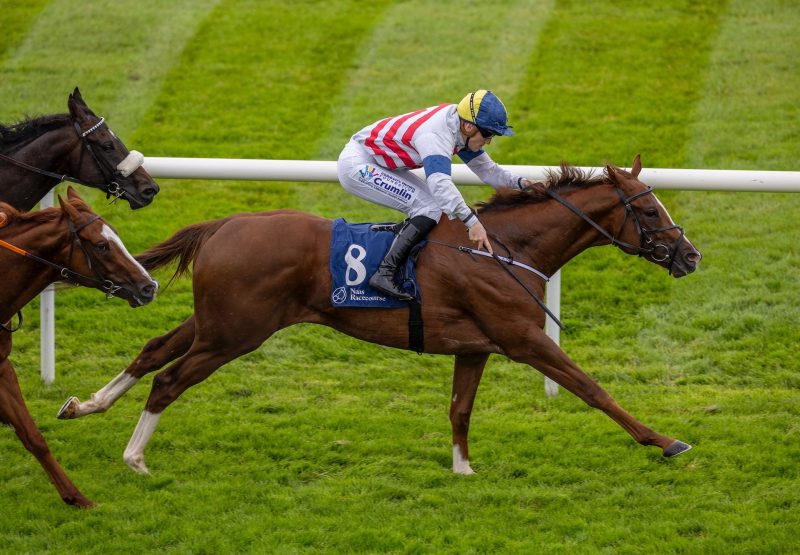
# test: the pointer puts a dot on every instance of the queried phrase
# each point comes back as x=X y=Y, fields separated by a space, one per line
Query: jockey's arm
x=489 y=172
x=437 y=174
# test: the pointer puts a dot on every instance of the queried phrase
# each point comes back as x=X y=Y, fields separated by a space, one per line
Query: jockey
x=375 y=166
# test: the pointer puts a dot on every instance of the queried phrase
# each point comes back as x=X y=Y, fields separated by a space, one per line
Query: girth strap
x=416 y=328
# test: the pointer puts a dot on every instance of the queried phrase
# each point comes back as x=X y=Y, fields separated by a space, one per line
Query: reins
x=111 y=188
x=581 y=214
x=66 y=272
x=506 y=262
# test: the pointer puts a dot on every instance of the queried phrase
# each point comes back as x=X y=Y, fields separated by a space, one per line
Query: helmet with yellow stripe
x=485 y=110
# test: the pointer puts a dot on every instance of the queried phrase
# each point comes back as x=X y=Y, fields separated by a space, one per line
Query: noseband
x=111 y=187
x=658 y=252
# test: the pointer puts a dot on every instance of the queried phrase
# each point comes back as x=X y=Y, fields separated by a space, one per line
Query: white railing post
x=553 y=301
x=48 y=321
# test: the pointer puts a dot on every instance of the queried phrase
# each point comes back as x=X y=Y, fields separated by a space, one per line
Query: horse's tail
x=183 y=245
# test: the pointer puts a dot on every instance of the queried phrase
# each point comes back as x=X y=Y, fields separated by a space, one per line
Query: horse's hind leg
x=466 y=377
x=14 y=412
x=195 y=366
x=157 y=353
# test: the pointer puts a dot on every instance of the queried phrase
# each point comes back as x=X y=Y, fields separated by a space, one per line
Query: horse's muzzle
x=686 y=261
x=140 y=296
x=142 y=196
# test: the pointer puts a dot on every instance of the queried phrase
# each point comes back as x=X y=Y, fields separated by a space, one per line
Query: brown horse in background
x=39 y=153
x=37 y=248
x=255 y=274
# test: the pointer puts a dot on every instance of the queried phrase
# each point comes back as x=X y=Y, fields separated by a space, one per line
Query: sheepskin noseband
x=131 y=163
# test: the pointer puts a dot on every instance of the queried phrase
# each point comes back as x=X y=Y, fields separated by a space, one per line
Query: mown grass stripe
x=612 y=80
x=15 y=19
x=244 y=86
x=749 y=114
x=117 y=52
x=469 y=46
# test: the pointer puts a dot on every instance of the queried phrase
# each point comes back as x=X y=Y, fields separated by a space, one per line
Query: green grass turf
x=320 y=443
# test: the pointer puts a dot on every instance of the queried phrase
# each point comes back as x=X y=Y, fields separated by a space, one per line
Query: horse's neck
x=24 y=279
x=550 y=235
x=50 y=151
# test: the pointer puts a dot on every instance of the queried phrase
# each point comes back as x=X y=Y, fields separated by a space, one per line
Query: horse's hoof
x=676 y=449
x=81 y=502
x=136 y=463
x=463 y=468
x=68 y=409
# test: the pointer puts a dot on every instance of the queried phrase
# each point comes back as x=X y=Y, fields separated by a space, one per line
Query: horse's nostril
x=693 y=257
x=149 y=291
x=150 y=191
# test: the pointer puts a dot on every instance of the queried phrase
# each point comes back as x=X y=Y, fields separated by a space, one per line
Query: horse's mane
x=17 y=134
x=37 y=217
x=569 y=178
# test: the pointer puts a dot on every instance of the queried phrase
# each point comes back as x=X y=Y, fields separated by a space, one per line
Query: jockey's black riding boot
x=411 y=233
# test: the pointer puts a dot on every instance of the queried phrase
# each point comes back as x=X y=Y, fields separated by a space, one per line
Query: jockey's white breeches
x=398 y=189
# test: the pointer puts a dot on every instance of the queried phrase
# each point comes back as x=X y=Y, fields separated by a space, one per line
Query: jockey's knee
x=426 y=211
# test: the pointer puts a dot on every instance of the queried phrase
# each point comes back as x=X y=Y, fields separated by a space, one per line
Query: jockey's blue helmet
x=485 y=110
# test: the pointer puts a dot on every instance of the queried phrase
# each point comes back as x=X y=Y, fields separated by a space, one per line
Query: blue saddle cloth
x=356 y=253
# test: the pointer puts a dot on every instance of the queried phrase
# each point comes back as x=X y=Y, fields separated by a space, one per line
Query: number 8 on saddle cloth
x=356 y=252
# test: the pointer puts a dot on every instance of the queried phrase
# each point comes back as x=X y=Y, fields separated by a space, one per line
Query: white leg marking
x=134 y=452
x=100 y=401
x=460 y=464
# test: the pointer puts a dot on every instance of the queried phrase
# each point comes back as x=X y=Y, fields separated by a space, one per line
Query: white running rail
x=325 y=171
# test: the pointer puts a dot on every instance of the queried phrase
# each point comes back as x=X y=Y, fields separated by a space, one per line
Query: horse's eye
x=101 y=247
x=651 y=213
x=107 y=146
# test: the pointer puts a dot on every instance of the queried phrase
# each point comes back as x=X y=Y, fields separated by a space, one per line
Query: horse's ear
x=70 y=210
x=611 y=172
x=72 y=194
x=77 y=107
x=637 y=166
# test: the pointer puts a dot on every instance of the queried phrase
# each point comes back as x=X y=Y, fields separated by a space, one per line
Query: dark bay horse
x=39 y=153
x=255 y=274
x=70 y=243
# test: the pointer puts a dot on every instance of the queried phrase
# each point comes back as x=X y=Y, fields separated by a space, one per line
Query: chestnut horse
x=39 y=153
x=257 y=273
x=37 y=248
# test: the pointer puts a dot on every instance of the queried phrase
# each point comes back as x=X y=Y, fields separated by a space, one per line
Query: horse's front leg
x=156 y=354
x=466 y=377
x=539 y=351
x=14 y=412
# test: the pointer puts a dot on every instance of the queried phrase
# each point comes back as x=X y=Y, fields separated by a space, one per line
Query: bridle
x=110 y=173
x=66 y=272
x=647 y=247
